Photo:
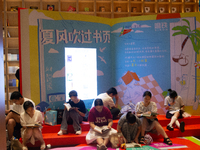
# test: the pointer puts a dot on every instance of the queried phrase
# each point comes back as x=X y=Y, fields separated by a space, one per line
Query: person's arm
x=110 y=123
x=80 y=113
x=7 y=111
x=138 y=133
x=116 y=98
x=92 y=125
x=119 y=129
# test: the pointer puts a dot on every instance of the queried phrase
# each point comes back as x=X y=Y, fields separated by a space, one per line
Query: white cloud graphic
x=135 y=25
x=34 y=15
x=53 y=51
x=100 y=73
x=145 y=26
x=139 y=31
x=117 y=31
x=59 y=73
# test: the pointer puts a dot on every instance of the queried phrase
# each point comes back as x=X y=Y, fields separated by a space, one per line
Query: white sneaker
x=78 y=132
x=61 y=132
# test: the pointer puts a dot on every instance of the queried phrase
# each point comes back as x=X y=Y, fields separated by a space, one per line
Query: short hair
x=16 y=95
x=27 y=104
x=172 y=93
x=130 y=117
x=73 y=93
x=98 y=102
x=112 y=90
x=147 y=93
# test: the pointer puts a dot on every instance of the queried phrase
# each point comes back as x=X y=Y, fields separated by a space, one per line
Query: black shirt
x=80 y=105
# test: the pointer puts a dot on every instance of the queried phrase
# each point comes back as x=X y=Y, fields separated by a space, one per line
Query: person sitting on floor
x=149 y=123
x=100 y=118
x=130 y=126
x=13 y=116
x=76 y=113
x=109 y=103
x=30 y=131
x=174 y=104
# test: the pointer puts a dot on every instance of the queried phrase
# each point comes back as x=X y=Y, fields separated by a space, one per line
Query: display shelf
x=163 y=8
x=86 y=6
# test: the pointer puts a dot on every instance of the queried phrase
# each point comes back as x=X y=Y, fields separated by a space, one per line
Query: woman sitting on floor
x=149 y=123
x=100 y=118
x=130 y=126
x=174 y=104
x=29 y=131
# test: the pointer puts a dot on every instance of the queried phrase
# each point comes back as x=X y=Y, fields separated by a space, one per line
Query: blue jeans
x=77 y=119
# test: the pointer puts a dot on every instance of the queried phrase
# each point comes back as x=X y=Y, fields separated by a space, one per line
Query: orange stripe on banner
x=168 y=16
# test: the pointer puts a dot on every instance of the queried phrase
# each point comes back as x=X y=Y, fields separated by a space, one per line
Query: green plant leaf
x=196 y=44
x=183 y=29
x=187 y=22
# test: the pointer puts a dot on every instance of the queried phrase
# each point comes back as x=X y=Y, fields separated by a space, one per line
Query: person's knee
x=11 y=122
x=29 y=131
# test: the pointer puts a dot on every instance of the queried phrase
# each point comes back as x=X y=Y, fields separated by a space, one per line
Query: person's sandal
x=170 y=128
x=141 y=140
x=167 y=141
x=43 y=146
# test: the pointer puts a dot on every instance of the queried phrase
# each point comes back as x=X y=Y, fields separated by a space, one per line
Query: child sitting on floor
x=31 y=121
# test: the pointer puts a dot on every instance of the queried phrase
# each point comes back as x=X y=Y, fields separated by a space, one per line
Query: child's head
x=16 y=97
x=172 y=94
x=73 y=95
x=130 y=117
x=98 y=103
x=112 y=92
x=147 y=96
x=29 y=107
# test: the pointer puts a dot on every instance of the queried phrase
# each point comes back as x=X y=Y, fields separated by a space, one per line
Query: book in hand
x=14 y=111
x=130 y=145
x=36 y=125
x=68 y=106
x=102 y=130
x=149 y=115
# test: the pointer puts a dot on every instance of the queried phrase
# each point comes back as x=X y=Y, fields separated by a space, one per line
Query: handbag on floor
x=117 y=139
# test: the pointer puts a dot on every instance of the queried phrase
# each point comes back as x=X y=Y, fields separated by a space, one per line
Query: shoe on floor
x=78 y=132
x=170 y=128
x=61 y=132
x=182 y=126
x=102 y=147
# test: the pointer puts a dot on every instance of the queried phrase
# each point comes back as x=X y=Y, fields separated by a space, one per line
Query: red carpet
x=192 y=128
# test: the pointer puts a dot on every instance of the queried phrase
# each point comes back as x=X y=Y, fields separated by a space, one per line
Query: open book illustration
x=101 y=130
x=36 y=125
x=68 y=106
x=149 y=115
x=130 y=145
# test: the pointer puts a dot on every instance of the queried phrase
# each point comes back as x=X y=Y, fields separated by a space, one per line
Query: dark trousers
x=115 y=112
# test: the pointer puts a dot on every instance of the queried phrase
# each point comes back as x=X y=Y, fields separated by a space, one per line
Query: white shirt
x=140 y=108
x=178 y=103
x=19 y=108
x=25 y=119
x=107 y=100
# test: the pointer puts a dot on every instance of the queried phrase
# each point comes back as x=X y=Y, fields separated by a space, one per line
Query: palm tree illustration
x=193 y=35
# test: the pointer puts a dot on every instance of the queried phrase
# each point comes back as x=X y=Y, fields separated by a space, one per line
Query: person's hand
x=109 y=126
x=76 y=108
x=148 y=112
